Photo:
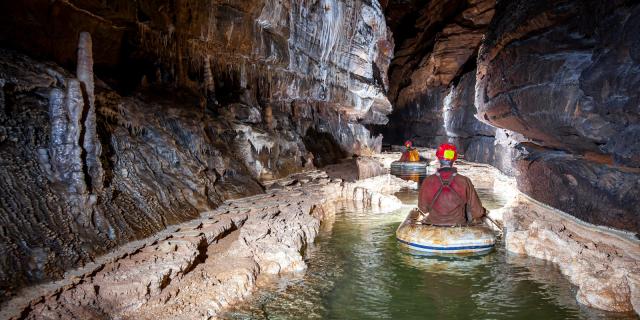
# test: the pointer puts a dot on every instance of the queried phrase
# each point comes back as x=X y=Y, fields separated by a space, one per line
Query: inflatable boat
x=471 y=239
x=407 y=167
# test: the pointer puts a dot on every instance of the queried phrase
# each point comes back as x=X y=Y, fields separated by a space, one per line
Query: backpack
x=453 y=197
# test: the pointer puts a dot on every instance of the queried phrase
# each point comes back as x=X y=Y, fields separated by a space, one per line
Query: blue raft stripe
x=486 y=246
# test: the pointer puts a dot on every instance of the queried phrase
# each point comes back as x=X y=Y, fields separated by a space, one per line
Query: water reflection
x=416 y=175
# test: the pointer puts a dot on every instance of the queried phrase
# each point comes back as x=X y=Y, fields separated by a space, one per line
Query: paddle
x=494 y=223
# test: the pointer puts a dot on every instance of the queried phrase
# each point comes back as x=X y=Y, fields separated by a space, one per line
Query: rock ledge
x=196 y=269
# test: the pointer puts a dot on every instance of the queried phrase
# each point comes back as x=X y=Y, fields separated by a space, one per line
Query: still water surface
x=357 y=270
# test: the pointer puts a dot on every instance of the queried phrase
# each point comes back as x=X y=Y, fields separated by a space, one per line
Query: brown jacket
x=454 y=201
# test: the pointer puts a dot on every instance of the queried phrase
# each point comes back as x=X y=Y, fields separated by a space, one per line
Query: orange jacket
x=453 y=202
x=411 y=155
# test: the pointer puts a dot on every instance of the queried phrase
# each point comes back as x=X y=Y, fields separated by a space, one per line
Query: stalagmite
x=66 y=111
x=90 y=141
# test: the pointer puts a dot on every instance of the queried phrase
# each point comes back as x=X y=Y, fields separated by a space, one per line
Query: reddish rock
x=595 y=193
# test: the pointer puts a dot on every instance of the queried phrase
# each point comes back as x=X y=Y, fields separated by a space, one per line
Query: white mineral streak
x=365 y=138
x=331 y=21
x=446 y=111
x=271 y=14
x=196 y=269
x=258 y=141
x=343 y=38
x=243 y=74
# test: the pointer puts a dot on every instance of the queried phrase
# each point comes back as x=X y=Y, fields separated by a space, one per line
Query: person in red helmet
x=410 y=154
x=446 y=197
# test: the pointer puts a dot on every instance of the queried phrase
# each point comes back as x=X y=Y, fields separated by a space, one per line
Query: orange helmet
x=408 y=144
x=447 y=152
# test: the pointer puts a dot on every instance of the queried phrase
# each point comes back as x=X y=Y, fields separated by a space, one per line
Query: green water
x=357 y=270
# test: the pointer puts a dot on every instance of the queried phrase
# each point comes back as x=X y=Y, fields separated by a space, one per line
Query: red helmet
x=447 y=152
x=408 y=144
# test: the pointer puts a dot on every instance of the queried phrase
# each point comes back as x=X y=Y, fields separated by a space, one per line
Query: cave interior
x=121 y=118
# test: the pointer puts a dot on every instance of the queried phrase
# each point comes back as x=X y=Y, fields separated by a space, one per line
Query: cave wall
x=192 y=103
x=564 y=75
x=555 y=80
x=64 y=200
x=436 y=47
x=263 y=54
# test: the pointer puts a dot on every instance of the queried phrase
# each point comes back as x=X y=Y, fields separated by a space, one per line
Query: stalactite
x=209 y=84
x=265 y=59
x=268 y=116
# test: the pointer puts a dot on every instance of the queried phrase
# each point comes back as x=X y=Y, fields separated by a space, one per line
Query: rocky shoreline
x=195 y=269
x=604 y=263
x=199 y=268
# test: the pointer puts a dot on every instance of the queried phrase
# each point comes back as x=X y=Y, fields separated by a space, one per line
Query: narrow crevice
x=83 y=132
x=225 y=233
x=165 y=281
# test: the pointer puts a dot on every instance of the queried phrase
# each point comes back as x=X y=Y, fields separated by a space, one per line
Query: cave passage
x=358 y=270
x=159 y=158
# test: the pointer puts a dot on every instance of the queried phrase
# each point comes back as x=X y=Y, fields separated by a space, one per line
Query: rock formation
x=330 y=55
x=603 y=264
x=552 y=79
x=562 y=79
x=195 y=269
x=436 y=45
x=156 y=171
x=199 y=101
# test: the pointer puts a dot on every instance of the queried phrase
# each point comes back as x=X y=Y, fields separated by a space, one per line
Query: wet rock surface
x=196 y=269
x=329 y=57
x=61 y=207
x=174 y=107
x=551 y=79
x=604 y=264
x=436 y=45
x=199 y=102
x=560 y=79
x=553 y=71
x=595 y=193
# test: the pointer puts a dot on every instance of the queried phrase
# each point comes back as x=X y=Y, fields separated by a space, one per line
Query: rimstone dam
x=319 y=159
